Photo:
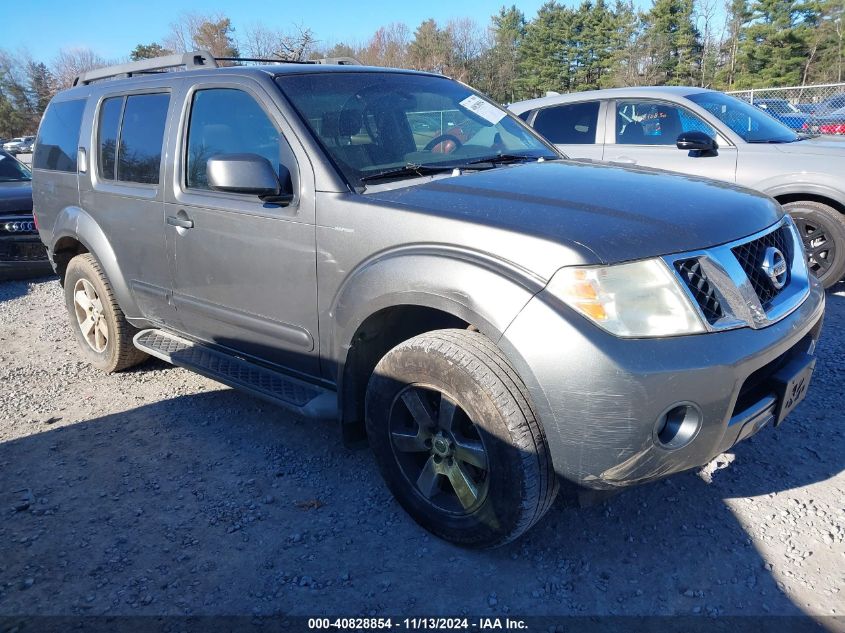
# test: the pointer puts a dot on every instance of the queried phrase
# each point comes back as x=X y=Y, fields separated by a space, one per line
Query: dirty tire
x=826 y=252
x=519 y=483
x=119 y=352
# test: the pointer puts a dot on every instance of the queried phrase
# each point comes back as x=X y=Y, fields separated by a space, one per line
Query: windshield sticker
x=483 y=109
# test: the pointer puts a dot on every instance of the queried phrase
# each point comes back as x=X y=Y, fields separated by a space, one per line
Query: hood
x=816 y=146
x=15 y=197
x=618 y=213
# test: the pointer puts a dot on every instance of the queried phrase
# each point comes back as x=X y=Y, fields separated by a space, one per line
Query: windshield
x=403 y=124
x=752 y=124
x=778 y=106
x=12 y=170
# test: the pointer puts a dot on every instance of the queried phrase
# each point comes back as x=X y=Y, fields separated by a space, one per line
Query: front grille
x=701 y=288
x=17 y=251
x=750 y=256
x=17 y=225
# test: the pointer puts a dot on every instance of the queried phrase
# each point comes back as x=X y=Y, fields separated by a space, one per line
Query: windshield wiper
x=506 y=158
x=407 y=170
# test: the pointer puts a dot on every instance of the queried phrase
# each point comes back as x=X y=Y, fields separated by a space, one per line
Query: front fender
x=813 y=184
x=74 y=223
x=481 y=290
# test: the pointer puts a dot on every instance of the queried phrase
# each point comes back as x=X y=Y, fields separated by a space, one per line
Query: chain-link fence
x=818 y=109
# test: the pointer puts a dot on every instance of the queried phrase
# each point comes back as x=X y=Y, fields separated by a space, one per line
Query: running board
x=291 y=393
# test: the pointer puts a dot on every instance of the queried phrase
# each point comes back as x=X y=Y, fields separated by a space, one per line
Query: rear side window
x=570 y=124
x=58 y=137
x=130 y=137
x=107 y=136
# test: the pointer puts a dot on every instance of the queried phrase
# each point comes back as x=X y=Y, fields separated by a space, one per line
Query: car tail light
x=834 y=128
x=35 y=219
x=805 y=127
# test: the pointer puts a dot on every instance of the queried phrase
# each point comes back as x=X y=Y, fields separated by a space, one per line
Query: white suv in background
x=708 y=133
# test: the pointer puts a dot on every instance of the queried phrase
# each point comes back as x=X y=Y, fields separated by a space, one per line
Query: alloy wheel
x=439 y=449
x=89 y=316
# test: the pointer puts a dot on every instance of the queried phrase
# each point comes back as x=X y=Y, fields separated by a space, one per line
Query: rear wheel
x=103 y=334
x=822 y=230
x=456 y=439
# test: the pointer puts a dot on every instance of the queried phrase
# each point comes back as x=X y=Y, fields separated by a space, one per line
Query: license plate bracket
x=791 y=382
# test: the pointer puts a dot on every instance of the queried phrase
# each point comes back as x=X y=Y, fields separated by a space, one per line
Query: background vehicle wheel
x=456 y=439
x=822 y=229
x=103 y=334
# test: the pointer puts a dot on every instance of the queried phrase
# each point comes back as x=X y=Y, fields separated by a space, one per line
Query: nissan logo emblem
x=774 y=267
x=25 y=226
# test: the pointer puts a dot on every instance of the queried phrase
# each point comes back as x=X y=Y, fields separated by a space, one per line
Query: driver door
x=644 y=132
x=245 y=270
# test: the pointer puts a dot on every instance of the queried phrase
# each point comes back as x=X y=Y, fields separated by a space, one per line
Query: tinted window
x=226 y=121
x=141 y=138
x=743 y=118
x=569 y=124
x=58 y=137
x=655 y=123
x=107 y=136
x=11 y=170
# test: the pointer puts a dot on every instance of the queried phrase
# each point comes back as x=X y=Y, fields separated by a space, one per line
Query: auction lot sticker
x=482 y=108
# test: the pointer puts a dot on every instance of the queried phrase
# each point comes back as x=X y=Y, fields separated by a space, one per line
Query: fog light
x=678 y=425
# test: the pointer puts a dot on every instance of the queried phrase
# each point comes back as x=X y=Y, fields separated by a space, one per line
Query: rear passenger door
x=124 y=192
x=577 y=129
x=245 y=270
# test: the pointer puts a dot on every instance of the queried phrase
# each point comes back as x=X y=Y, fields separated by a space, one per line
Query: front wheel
x=822 y=230
x=456 y=439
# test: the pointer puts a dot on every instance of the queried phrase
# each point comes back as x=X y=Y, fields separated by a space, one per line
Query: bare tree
x=468 y=44
x=212 y=32
x=387 y=47
x=263 y=43
x=71 y=62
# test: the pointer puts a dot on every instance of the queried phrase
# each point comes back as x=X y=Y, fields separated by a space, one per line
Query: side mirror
x=698 y=142
x=246 y=173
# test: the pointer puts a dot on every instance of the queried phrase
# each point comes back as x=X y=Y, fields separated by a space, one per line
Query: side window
x=130 y=136
x=107 y=131
x=570 y=124
x=228 y=121
x=655 y=123
x=141 y=138
x=58 y=137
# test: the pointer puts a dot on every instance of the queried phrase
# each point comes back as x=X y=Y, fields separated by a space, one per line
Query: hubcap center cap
x=441 y=446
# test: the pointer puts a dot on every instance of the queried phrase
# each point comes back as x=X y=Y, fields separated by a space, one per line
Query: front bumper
x=22 y=257
x=599 y=397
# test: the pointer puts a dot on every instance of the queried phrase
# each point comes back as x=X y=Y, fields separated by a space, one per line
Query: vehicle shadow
x=216 y=503
x=12 y=287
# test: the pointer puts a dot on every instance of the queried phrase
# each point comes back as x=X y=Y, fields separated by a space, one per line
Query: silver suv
x=391 y=249
x=711 y=134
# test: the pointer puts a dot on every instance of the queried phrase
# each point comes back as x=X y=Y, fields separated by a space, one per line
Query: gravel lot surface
x=157 y=491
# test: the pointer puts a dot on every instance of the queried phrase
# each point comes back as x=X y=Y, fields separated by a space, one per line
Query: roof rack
x=190 y=61
x=339 y=61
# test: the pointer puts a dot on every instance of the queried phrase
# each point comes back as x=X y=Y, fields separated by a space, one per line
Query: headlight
x=640 y=299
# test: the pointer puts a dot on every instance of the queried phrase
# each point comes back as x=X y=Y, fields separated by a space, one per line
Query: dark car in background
x=784 y=111
x=827 y=106
x=21 y=252
x=832 y=123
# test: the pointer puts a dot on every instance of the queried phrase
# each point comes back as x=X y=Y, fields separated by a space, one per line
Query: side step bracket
x=296 y=395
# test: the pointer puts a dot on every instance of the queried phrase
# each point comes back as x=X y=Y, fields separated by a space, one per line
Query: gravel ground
x=159 y=492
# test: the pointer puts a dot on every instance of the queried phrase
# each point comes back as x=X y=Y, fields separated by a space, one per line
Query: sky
x=113 y=28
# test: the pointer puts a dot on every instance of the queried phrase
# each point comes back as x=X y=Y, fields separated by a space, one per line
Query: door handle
x=182 y=223
x=624 y=160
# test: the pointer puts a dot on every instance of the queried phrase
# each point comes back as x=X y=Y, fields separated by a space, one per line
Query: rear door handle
x=182 y=223
x=624 y=160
